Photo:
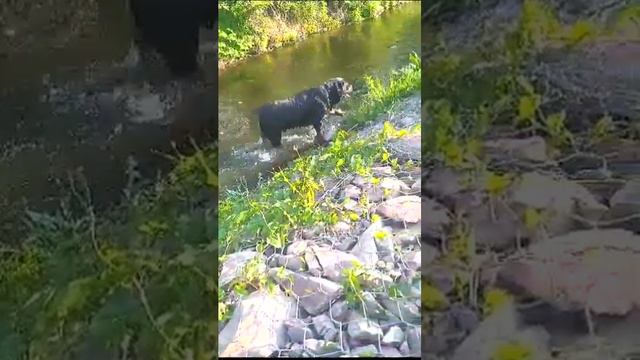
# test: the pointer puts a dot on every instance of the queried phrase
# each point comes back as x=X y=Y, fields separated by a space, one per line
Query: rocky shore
x=351 y=289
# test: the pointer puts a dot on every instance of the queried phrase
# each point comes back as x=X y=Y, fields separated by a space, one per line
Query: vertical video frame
x=320 y=209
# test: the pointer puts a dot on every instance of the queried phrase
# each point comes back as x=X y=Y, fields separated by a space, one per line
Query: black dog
x=172 y=28
x=306 y=108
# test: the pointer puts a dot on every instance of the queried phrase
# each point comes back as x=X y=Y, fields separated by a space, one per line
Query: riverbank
x=337 y=213
x=248 y=28
x=137 y=280
x=532 y=184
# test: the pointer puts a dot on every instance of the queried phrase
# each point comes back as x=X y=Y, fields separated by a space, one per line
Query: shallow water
x=372 y=47
x=80 y=107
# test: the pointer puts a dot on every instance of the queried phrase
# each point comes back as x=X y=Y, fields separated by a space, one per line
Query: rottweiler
x=308 y=107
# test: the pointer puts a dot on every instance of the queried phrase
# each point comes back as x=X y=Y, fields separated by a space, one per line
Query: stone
x=233 y=266
x=406 y=148
x=414 y=339
x=332 y=263
x=436 y=218
x=394 y=337
x=403 y=209
x=364 y=331
x=530 y=149
x=364 y=351
x=443 y=183
x=429 y=254
x=497 y=227
x=296 y=351
x=321 y=347
x=404 y=349
x=416 y=186
x=404 y=309
x=325 y=327
x=558 y=197
x=298 y=330
x=314 y=293
x=341 y=227
x=257 y=326
x=414 y=260
x=440 y=277
x=394 y=186
x=372 y=308
x=352 y=192
x=466 y=319
x=366 y=249
x=388 y=351
x=297 y=247
x=340 y=311
x=382 y=170
x=385 y=245
x=291 y=262
x=626 y=202
x=501 y=327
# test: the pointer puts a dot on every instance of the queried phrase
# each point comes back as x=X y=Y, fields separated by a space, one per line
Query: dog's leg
x=336 y=112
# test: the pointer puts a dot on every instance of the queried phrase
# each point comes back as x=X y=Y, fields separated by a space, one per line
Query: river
x=372 y=47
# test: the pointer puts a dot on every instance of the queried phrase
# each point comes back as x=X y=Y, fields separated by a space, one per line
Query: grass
x=139 y=280
x=252 y=27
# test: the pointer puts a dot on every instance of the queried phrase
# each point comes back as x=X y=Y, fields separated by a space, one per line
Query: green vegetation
x=251 y=27
x=138 y=281
x=513 y=351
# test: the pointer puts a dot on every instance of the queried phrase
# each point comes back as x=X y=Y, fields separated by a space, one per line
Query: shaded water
x=76 y=108
x=372 y=47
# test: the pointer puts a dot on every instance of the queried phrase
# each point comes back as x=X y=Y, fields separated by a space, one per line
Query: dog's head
x=337 y=88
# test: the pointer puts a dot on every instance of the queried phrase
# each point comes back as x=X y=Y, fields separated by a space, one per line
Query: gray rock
x=382 y=170
x=500 y=327
x=314 y=293
x=388 y=351
x=372 y=308
x=394 y=337
x=559 y=197
x=394 y=186
x=291 y=262
x=403 y=209
x=414 y=339
x=340 y=311
x=440 y=277
x=364 y=331
x=341 y=227
x=429 y=254
x=234 y=264
x=530 y=149
x=298 y=330
x=404 y=309
x=296 y=351
x=321 y=347
x=366 y=249
x=325 y=327
x=625 y=202
x=257 y=326
x=404 y=349
x=352 y=191
x=297 y=247
x=332 y=263
x=414 y=260
x=466 y=319
x=496 y=227
x=434 y=224
x=365 y=351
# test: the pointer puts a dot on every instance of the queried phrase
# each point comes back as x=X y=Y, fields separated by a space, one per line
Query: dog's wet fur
x=308 y=107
